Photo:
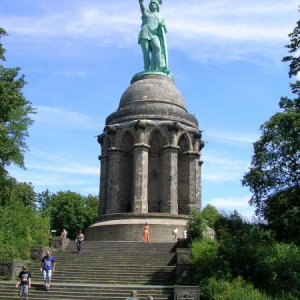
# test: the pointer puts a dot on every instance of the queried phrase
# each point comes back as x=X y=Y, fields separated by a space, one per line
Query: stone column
x=170 y=180
x=103 y=184
x=113 y=192
x=194 y=181
x=140 y=178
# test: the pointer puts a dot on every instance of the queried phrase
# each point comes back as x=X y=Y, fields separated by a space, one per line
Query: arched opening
x=154 y=172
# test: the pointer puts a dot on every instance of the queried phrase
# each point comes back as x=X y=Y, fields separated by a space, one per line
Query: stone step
x=84 y=292
x=105 y=271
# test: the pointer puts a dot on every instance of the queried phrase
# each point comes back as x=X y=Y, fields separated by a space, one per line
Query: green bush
x=237 y=289
x=21 y=227
x=205 y=257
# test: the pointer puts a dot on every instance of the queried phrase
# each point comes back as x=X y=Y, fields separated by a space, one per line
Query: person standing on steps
x=63 y=233
x=146 y=234
x=48 y=267
x=175 y=234
x=79 y=240
x=133 y=296
x=24 y=283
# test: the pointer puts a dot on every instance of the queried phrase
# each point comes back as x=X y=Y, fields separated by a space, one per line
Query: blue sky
x=79 y=57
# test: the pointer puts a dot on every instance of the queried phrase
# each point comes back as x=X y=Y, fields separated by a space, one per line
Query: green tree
x=274 y=175
x=250 y=251
x=237 y=289
x=71 y=211
x=211 y=215
x=25 y=193
x=43 y=200
x=196 y=226
x=15 y=113
x=21 y=227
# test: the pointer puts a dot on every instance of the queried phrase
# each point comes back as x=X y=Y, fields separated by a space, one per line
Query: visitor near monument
x=146 y=235
x=152 y=37
x=175 y=234
x=79 y=241
x=64 y=233
x=48 y=267
x=133 y=296
x=24 y=283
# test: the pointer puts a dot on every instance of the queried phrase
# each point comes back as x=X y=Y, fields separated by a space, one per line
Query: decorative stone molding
x=184 y=266
x=184 y=256
x=9 y=269
x=38 y=252
x=186 y=293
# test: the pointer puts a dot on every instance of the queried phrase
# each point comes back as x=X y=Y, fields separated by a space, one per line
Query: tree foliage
x=200 y=221
x=249 y=251
x=274 y=175
x=237 y=289
x=21 y=227
x=69 y=210
x=15 y=113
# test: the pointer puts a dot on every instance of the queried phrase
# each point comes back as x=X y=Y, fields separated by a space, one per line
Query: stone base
x=129 y=227
x=10 y=269
x=186 y=293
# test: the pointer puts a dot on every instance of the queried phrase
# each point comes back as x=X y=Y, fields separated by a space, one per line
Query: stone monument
x=150 y=150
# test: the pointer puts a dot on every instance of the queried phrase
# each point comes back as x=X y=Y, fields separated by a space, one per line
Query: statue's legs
x=146 y=52
x=156 y=54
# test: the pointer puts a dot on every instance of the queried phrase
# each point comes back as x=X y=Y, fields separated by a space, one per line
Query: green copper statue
x=152 y=38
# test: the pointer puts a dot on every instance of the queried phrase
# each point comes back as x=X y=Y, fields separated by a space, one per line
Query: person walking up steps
x=79 y=241
x=48 y=267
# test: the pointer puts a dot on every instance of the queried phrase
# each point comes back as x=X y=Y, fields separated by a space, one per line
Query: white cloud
x=220 y=168
x=231 y=137
x=45 y=161
x=230 y=202
x=58 y=117
x=48 y=170
x=217 y=30
x=239 y=203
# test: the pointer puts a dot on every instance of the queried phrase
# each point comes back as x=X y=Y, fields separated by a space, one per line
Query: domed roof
x=154 y=97
x=152 y=88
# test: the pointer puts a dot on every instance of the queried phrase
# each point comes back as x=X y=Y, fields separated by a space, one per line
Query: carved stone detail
x=186 y=293
x=9 y=269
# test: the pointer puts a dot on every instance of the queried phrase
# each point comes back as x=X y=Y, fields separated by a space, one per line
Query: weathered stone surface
x=129 y=227
x=186 y=293
x=38 y=252
x=59 y=243
x=150 y=156
x=9 y=269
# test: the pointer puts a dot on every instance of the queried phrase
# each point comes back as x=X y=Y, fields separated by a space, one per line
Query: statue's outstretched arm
x=164 y=26
x=142 y=6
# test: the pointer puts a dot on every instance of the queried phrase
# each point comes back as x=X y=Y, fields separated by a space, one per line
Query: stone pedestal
x=10 y=269
x=129 y=227
x=59 y=243
x=186 y=293
x=150 y=161
x=184 y=266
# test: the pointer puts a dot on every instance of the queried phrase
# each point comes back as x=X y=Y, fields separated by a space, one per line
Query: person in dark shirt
x=24 y=283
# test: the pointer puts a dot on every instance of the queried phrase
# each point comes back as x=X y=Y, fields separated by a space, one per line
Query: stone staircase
x=105 y=271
